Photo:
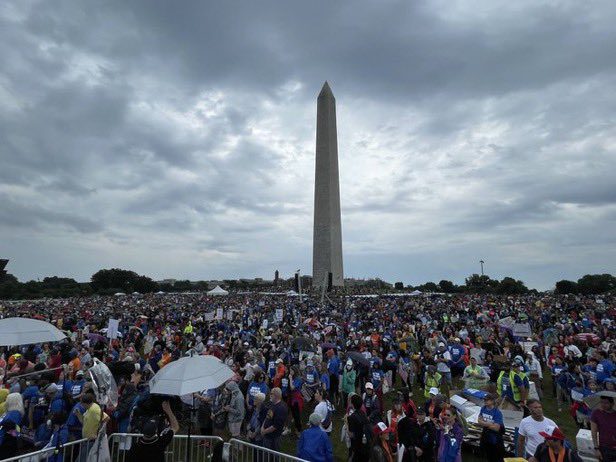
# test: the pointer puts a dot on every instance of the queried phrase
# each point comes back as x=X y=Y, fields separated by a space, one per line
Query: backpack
x=328 y=418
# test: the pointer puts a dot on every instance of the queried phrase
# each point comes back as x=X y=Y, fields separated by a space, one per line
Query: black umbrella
x=303 y=343
x=358 y=358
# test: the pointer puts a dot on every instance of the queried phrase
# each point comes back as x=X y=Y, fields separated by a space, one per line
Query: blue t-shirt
x=11 y=416
x=376 y=377
x=457 y=352
x=493 y=416
x=311 y=376
x=73 y=422
x=253 y=389
x=604 y=370
x=325 y=380
x=31 y=393
x=333 y=365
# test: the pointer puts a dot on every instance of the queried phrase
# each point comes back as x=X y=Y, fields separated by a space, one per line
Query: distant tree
x=596 y=284
x=182 y=286
x=566 y=287
x=428 y=287
x=510 y=286
x=480 y=284
x=399 y=286
x=116 y=279
x=447 y=286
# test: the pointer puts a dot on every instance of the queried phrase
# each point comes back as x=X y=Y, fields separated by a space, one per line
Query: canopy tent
x=218 y=291
x=25 y=331
x=415 y=293
x=292 y=293
x=119 y=294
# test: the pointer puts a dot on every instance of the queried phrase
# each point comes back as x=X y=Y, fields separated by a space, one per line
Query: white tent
x=119 y=294
x=292 y=293
x=416 y=292
x=218 y=291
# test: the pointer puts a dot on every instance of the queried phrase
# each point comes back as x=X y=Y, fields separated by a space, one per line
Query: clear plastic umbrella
x=103 y=384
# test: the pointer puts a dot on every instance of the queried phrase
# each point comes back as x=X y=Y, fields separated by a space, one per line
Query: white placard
x=219 y=313
x=112 y=328
x=279 y=314
x=208 y=316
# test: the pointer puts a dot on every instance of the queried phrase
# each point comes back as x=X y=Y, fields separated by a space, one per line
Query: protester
x=603 y=429
x=531 y=429
x=273 y=426
x=553 y=448
x=450 y=435
x=152 y=445
x=491 y=421
x=314 y=445
x=360 y=431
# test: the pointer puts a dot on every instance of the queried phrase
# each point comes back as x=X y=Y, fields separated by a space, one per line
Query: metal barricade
x=63 y=453
x=242 y=451
x=197 y=448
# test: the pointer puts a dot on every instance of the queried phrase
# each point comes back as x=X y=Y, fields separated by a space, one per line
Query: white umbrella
x=24 y=331
x=189 y=375
x=593 y=400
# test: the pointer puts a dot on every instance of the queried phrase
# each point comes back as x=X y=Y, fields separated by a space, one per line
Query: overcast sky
x=177 y=139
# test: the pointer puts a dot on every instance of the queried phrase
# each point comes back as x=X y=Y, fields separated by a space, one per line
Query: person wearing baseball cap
x=381 y=450
x=553 y=449
x=371 y=403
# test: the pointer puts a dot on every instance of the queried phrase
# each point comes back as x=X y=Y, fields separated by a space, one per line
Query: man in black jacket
x=360 y=431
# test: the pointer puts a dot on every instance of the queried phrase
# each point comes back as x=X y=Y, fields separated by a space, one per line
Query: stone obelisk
x=327 y=240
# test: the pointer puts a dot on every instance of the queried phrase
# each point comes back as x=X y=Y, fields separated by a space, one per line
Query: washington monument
x=327 y=240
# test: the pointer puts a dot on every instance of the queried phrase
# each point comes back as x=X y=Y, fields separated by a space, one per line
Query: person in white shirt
x=530 y=428
x=323 y=408
x=571 y=349
x=534 y=372
x=443 y=359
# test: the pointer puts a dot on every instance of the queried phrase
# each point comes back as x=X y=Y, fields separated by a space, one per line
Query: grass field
x=563 y=419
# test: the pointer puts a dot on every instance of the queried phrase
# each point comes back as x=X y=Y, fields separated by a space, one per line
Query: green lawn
x=563 y=419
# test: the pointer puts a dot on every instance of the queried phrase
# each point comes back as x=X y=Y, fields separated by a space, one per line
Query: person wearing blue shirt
x=258 y=385
x=333 y=369
x=605 y=367
x=560 y=380
x=457 y=358
x=73 y=423
x=54 y=396
x=76 y=386
x=491 y=420
x=377 y=375
x=314 y=445
x=59 y=436
x=325 y=382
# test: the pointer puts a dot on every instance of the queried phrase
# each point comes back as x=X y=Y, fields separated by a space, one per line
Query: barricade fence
x=197 y=448
x=242 y=451
x=65 y=452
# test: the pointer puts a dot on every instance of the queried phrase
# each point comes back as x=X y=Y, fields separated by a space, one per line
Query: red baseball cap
x=553 y=433
x=381 y=428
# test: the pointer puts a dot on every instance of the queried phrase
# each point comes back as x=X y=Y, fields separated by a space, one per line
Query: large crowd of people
x=373 y=374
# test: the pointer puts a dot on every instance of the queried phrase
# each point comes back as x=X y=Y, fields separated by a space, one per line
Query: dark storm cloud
x=172 y=137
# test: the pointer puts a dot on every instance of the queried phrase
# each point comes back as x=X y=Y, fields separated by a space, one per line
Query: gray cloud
x=179 y=140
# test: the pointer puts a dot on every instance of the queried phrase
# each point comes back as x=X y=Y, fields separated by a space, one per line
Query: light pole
x=482 y=262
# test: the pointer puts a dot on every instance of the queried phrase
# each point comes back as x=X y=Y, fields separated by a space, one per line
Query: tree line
x=110 y=281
